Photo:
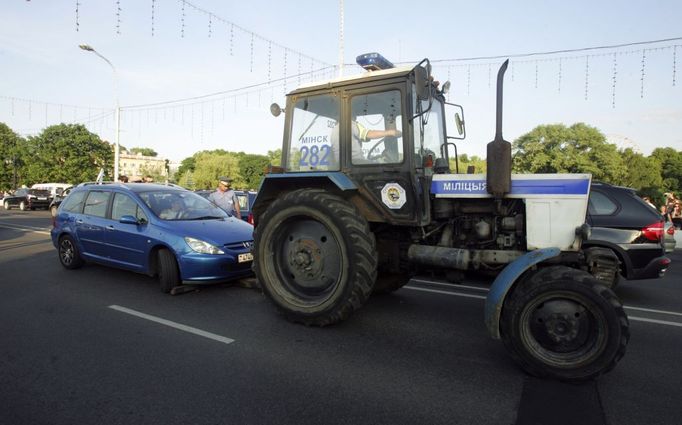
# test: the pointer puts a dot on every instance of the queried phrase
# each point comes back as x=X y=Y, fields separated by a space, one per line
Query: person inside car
x=176 y=211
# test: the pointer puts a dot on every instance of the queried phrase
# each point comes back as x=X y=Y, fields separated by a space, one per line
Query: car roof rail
x=120 y=184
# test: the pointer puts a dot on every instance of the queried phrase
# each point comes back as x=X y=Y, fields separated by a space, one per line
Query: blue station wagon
x=158 y=230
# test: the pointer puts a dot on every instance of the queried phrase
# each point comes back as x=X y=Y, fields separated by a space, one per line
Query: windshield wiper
x=205 y=217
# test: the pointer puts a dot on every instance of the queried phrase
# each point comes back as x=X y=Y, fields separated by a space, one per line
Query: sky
x=230 y=60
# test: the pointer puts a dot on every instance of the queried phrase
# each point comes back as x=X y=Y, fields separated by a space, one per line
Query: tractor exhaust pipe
x=498 y=175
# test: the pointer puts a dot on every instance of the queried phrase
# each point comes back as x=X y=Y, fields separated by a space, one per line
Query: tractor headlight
x=203 y=247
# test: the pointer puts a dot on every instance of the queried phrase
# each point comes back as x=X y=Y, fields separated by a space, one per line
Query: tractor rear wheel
x=315 y=256
x=563 y=323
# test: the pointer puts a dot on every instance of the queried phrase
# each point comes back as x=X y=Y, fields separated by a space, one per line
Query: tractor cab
x=378 y=136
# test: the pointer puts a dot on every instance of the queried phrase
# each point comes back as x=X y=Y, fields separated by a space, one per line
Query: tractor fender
x=275 y=185
x=504 y=282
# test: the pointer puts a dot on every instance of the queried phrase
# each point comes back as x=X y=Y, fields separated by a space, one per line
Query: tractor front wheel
x=315 y=256
x=563 y=323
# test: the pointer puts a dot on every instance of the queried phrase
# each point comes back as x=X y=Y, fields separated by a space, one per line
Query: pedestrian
x=225 y=198
x=123 y=178
x=148 y=179
x=648 y=201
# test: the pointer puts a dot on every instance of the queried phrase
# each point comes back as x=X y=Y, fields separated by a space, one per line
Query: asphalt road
x=103 y=346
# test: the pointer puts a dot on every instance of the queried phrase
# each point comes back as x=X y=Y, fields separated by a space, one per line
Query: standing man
x=225 y=198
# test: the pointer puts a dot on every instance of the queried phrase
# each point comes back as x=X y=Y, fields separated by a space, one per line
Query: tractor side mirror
x=460 y=124
x=457 y=112
x=275 y=110
x=422 y=83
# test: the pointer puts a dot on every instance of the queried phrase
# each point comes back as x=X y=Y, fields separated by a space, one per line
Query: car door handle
x=79 y=221
x=110 y=227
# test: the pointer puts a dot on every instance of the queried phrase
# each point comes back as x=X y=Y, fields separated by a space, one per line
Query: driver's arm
x=376 y=134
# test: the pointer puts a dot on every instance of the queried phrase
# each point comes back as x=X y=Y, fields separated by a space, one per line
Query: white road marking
x=660 y=322
x=40 y=230
x=455 y=286
x=633 y=318
x=451 y=285
x=175 y=325
x=456 y=294
x=650 y=310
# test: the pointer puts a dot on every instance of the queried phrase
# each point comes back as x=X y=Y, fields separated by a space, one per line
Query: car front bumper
x=202 y=268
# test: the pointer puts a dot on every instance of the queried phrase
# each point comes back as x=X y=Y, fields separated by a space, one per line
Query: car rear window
x=600 y=204
x=74 y=202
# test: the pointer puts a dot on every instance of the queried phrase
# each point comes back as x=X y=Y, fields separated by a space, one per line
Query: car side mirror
x=128 y=219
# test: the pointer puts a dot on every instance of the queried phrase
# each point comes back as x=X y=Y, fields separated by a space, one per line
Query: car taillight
x=671 y=231
x=250 y=219
x=654 y=232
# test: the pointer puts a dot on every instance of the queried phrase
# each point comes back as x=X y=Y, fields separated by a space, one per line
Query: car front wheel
x=169 y=275
x=6 y=205
x=22 y=206
x=69 y=255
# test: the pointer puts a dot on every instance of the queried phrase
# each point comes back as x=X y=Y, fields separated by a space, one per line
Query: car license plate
x=41 y=198
x=241 y=258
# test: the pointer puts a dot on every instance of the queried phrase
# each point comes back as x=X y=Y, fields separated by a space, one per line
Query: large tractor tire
x=562 y=323
x=315 y=257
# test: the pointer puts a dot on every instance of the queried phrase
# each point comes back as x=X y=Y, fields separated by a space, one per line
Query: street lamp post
x=117 y=115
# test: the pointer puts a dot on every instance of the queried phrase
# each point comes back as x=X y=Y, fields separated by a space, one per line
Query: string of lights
x=250 y=34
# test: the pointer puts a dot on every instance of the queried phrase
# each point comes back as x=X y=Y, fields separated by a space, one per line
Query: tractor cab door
x=376 y=152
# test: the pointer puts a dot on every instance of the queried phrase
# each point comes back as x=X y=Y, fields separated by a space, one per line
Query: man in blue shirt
x=225 y=198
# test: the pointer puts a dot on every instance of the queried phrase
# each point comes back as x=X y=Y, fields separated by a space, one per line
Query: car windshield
x=181 y=205
x=37 y=192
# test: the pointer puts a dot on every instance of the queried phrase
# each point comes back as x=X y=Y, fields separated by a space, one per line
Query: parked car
x=669 y=237
x=154 y=229
x=57 y=200
x=28 y=199
x=55 y=189
x=246 y=199
x=623 y=223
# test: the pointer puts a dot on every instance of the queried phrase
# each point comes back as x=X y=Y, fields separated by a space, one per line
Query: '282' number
x=315 y=155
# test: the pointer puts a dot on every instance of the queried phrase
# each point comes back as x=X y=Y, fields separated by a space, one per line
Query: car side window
x=96 y=203
x=600 y=204
x=125 y=205
x=74 y=203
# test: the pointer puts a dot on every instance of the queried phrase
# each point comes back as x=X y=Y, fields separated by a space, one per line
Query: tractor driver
x=362 y=135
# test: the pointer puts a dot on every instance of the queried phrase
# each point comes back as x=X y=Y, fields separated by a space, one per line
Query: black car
x=28 y=199
x=623 y=223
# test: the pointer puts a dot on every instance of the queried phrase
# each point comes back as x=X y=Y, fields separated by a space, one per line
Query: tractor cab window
x=376 y=128
x=429 y=133
x=313 y=142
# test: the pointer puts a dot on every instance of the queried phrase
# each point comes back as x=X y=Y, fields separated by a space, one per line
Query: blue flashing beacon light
x=373 y=62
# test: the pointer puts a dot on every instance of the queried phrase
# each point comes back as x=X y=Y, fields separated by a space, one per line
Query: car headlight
x=203 y=247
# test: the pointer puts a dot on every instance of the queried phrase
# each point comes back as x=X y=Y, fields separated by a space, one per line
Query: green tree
x=465 y=162
x=275 y=157
x=9 y=150
x=65 y=153
x=143 y=151
x=186 y=165
x=643 y=172
x=671 y=168
x=211 y=165
x=252 y=168
x=556 y=148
